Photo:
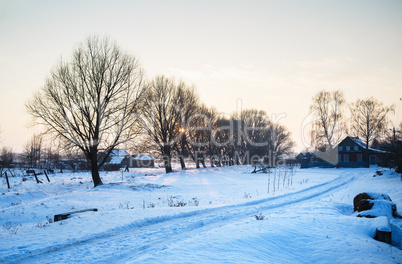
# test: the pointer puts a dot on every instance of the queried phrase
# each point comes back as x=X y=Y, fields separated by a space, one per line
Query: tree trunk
x=367 y=152
x=199 y=158
x=167 y=159
x=95 y=172
x=183 y=165
x=367 y=157
x=168 y=165
x=211 y=159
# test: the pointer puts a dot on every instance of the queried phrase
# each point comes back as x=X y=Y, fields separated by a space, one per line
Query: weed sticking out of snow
x=175 y=202
x=247 y=196
x=259 y=216
x=11 y=227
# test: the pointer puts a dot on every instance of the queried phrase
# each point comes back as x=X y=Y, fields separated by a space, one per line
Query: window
x=346 y=158
x=339 y=157
x=347 y=148
x=356 y=148
x=359 y=157
x=373 y=160
x=340 y=148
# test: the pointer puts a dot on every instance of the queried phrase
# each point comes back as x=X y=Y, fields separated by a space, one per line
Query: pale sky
x=270 y=55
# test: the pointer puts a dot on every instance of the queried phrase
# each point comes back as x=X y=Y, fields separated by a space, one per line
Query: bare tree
x=280 y=142
x=92 y=100
x=256 y=131
x=189 y=102
x=166 y=107
x=327 y=111
x=33 y=150
x=222 y=143
x=369 y=118
x=52 y=156
x=6 y=157
x=199 y=131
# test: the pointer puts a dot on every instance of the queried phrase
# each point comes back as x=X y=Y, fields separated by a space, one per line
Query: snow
x=359 y=142
x=116 y=160
x=120 y=153
x=199 y=216
x=382 y=206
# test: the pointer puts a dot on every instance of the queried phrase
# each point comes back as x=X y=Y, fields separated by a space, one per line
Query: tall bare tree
x=255 y=132
x=33 y=150
x=166 y=107
x=199 y=131
x=327 y=111
x=280 y=142
x=369 y=119
x=92 y=100
x=189 y=102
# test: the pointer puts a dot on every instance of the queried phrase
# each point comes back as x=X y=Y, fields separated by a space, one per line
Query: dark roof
x=359 y=143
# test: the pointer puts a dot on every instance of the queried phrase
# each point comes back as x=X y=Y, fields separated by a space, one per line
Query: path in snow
x=153 y=234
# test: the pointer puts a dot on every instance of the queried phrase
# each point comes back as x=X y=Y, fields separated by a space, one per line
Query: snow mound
x=380 y=208
x=373 y=205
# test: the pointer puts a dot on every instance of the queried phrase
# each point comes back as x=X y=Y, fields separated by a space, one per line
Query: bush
x=11 y=227
x=260 y=216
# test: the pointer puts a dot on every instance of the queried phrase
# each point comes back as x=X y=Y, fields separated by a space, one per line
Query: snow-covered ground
x=197 y=216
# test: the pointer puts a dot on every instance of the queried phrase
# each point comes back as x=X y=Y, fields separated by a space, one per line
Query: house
x=307 y=157
x=117 y=156
x=352 y=153
x=115 y=159
x=311 y=159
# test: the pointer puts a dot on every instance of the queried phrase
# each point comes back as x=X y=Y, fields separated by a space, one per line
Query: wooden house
x=352 y=153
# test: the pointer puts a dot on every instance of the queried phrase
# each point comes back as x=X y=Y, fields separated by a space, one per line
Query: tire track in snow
x=153 y=234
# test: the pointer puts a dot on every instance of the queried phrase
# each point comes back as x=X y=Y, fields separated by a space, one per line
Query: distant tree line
x=181 y=126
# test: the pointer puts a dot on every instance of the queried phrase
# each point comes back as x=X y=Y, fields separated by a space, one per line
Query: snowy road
x=131 y=242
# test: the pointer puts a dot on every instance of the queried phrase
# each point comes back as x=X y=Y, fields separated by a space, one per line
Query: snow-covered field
x=197 y=216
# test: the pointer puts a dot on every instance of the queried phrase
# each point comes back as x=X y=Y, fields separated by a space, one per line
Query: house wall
x=353 y=154
x=352 y=164
x=305 y=165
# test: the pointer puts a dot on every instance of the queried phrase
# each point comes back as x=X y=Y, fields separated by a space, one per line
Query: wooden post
x=36 y=177
x=8 y=183
x=46 y=176
x=64 y=216
x=11 y=173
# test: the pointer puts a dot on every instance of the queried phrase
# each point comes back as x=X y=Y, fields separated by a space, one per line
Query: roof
x=307 y=156
x=358 y=142
x=116 y=160
x=119 y=153
x=362 y=144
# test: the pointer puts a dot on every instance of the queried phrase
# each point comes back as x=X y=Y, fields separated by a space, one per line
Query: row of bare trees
x=367 y=119
x=35 y=153
x=181 y=126
x=6 y=155
x=100 y=99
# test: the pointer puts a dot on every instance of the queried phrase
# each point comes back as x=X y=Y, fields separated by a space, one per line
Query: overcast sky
x=269 y=55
